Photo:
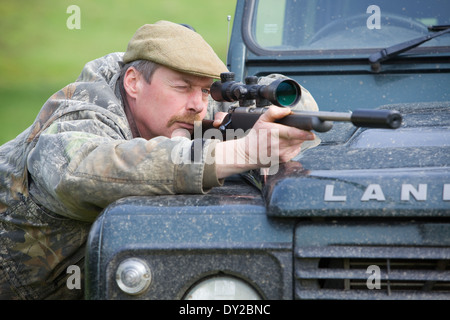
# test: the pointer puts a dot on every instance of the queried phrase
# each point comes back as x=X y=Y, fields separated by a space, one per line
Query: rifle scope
x=281 y=92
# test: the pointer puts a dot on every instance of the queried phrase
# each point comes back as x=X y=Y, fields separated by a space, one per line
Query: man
x=116 y=132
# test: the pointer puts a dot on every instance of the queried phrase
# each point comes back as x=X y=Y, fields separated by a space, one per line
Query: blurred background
x=40 y=54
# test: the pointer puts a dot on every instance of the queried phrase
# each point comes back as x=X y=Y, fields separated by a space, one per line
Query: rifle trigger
x=225 y=123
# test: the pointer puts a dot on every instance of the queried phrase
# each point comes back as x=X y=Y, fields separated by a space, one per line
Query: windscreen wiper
x=390 y=52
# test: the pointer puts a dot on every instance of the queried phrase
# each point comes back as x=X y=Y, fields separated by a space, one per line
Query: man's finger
x=294 y=134
x=275 y=113
x=218 y=118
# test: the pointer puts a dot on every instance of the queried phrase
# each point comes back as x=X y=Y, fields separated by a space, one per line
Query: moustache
x=190 y=118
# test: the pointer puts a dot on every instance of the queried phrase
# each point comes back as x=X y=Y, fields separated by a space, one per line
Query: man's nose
x=196 y=102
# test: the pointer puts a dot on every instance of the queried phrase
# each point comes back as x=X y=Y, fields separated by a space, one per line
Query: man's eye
x=205 y=91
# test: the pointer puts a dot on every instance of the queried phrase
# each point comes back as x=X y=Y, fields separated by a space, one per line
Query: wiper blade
x=393 y=51
x=439 y=27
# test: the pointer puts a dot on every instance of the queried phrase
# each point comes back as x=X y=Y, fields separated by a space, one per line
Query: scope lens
x=286 y=93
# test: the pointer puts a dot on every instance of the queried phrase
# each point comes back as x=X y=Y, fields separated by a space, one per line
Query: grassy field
x=39 y=54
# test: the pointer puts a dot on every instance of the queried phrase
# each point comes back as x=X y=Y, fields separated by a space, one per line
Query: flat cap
x=176 y=47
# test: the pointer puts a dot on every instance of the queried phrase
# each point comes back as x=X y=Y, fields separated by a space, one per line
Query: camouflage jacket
x=76 y=158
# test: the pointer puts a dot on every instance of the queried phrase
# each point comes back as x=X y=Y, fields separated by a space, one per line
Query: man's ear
x=130 y=82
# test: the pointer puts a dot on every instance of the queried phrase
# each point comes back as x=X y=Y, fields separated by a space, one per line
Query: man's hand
x=218 y=118
x=266 y=144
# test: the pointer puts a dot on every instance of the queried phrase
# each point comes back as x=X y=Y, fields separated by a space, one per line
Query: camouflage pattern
x=76 y=158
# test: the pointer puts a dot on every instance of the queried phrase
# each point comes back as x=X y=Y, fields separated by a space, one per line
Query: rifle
x=254 y=99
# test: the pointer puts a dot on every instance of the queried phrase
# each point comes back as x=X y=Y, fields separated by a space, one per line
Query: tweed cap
x=174 y=46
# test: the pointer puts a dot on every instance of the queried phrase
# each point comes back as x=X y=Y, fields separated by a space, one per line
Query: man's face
x=172 y=100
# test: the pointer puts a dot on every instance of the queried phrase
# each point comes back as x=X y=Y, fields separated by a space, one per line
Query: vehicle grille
x=342 y=272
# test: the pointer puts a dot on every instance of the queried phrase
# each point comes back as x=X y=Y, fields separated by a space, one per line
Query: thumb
x=275 y=113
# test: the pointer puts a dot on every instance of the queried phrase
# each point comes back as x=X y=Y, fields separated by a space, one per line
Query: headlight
x=133 y=276
x=222 y=288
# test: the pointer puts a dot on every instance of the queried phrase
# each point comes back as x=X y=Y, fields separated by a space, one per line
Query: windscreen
x=296 y=25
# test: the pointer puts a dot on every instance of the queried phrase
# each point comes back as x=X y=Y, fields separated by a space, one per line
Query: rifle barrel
x=361 y=118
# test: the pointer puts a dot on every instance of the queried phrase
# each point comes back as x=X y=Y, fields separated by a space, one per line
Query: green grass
x=39 y=54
